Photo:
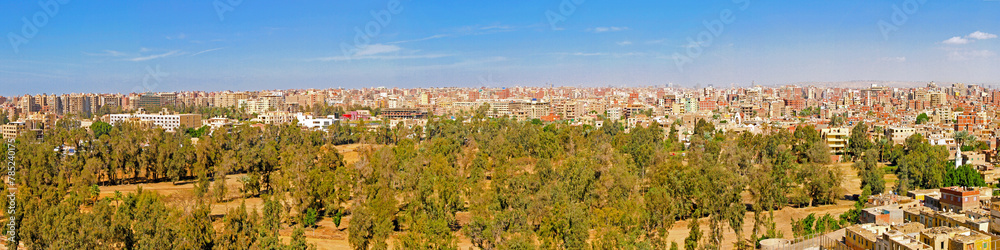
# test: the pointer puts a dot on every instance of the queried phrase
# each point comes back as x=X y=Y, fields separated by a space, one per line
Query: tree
x=238 y=229
x=100 y=128
x=871 y=173
x=694 y=236
x=704 y=128
x=921 y=165
x=820 y=183
x=854 y=215
x=837 y=120
x=964 y=138
x=964 y=176
x=270 y=224
x=922 y=118
x=197 y=133
x=298 y=241
x=858 y=141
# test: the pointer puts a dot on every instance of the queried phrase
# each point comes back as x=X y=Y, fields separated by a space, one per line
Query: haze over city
x=111 y=46
x=546 y=124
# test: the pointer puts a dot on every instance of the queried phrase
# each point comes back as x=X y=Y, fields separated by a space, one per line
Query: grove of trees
x=523 y=185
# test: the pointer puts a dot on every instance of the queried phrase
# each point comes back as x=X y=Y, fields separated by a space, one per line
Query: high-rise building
x=230 y=99
x=27 y=104
x=153 y=102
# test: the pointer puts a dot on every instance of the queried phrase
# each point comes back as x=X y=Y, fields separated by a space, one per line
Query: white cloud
x=464 y=31
x=377 y=49
x=978 y=35
x=608 y=29
x=380 y=52
x=107 y=53
x=180 y=36
x=981 y=35
x=956 y=41
x=965 y=55
x=893 y=59
x=422 y=39
x=151 y=57
x=623 y=43
x=599 y=54
x=462 y=64
x=205 y=51
x=661 y=41
x=378 y=57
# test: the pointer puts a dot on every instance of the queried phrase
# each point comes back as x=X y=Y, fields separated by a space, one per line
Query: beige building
x=972 y=240
x=230 y=99
x=939 y=238
x=263 y=104
x=278 y=117
x=896 y=240
x=12 y=130
x=898 y=135
x=836 y=138
x=863 y=236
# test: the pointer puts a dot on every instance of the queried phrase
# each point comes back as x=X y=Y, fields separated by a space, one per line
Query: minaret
x=958 y=156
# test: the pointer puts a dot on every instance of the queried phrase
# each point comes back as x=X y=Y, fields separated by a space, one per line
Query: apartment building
x=262 y=104
x=12 y=130
x=403 y=113
x=939 y=238
x=156 y=101
x=275 y=117
x=863 y=236
x=898 y=135
x=230 y=99
x=169 y=122
x=836 y=138
x=959 y=199
x=898 y=240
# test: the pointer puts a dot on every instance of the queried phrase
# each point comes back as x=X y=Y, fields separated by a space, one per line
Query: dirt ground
x=329 y=236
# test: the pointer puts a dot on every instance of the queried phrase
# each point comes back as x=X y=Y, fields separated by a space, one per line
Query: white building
x=312 y=122
x=169 y=122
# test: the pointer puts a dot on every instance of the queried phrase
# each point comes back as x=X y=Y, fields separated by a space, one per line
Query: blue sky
x=117 y=46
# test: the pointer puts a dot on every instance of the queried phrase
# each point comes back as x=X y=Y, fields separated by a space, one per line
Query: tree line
x=523 y=184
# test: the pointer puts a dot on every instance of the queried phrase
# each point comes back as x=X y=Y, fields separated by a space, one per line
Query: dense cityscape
x=488 y=125
x=927 y=205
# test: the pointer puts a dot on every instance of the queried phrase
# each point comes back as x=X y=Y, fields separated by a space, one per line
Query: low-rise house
x=863 y=236
x=940 y=237
x=959 y=199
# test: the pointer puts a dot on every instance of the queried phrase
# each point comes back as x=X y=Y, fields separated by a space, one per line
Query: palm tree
x=963 y=137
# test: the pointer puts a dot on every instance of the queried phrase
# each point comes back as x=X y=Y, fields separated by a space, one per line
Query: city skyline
x=243 y=45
